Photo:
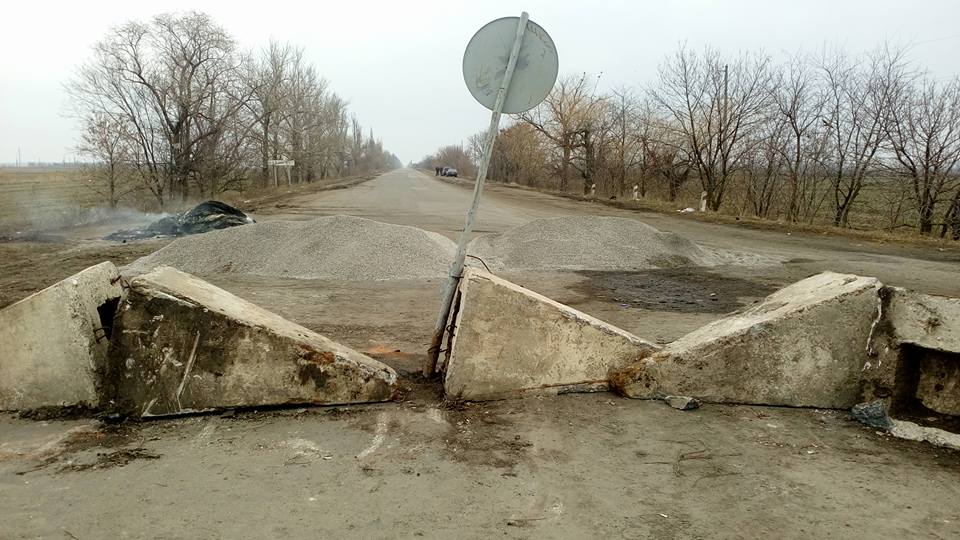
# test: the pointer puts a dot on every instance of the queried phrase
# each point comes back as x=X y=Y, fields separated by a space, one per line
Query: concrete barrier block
x=510 y=341
x=802 y=346
x=184 y=345
x=918 y=353
x=924 y=320
x=54 y=343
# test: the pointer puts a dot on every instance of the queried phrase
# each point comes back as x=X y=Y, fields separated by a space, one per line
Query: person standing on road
x=436 y=171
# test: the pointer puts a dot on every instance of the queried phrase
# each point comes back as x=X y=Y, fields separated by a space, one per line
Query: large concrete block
x=184 y=345
x=924 y=320
x=510 y=341
x=917 y=349
x=803 y=346
x=53 y=344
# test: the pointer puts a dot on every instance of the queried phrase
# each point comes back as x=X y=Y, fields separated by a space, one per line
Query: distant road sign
x=485 y=62
x=281 y=162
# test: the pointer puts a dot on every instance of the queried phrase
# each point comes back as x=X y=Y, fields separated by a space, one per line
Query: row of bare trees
x=868 y=140
x=173 y=106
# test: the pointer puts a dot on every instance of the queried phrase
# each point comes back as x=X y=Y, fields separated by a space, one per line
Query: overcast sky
x=398 y=63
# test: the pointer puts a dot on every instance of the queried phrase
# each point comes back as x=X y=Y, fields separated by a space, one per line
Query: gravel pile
x=335 y=247
x=587 y=243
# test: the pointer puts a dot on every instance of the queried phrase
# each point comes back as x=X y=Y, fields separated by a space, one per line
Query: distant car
x=449 y=171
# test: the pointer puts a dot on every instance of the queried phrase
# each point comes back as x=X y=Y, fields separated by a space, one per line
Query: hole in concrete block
x=106 y=312
x=928 y=388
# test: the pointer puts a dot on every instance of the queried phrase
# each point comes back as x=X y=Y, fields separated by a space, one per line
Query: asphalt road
x=410 y=197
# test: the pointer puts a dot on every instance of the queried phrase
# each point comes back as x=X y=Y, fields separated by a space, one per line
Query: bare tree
x=923 y=128
x=173 y=83
x=713 y=104
x=475 y=144
x=627 y=136
x=799 y=102
x=193 y=80
x=765 y=165
x=103 y=140
x=303 y=116
x=192 y=114
x=663 y=155
x=267 y=76
x=802 y=140
x=855 y=110
x=672 y=165
x=567 y=118
x=520 y=155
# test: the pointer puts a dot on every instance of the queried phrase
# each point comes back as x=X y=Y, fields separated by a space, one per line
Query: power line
x=934 y=40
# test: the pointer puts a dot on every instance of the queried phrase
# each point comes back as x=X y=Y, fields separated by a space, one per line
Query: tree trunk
x=951 y=219
x=265 y=154
x=112 y=179
x=926 y=218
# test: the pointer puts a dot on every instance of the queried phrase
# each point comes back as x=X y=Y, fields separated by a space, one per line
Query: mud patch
x=690 y=290
x=104 y=447
x=113 y=458
x=473 y=434
x=404 y=363
x=52 y=412
x=483 y=435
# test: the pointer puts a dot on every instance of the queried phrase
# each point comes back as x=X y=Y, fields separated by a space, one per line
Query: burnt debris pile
x=205 y=217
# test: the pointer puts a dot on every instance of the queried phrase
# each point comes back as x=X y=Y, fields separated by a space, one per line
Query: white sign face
x=486 y=57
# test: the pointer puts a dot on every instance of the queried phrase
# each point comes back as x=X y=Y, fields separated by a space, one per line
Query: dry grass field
x=39 y=198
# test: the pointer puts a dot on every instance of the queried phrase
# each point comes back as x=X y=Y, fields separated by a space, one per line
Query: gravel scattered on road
x=334 y=247
x=587 y=243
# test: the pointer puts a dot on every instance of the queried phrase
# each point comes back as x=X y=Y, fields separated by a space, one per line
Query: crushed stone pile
x=588 y=243
x=334 y=247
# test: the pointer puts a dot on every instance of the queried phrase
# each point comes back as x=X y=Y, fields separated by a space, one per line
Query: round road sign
x=486 y=57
